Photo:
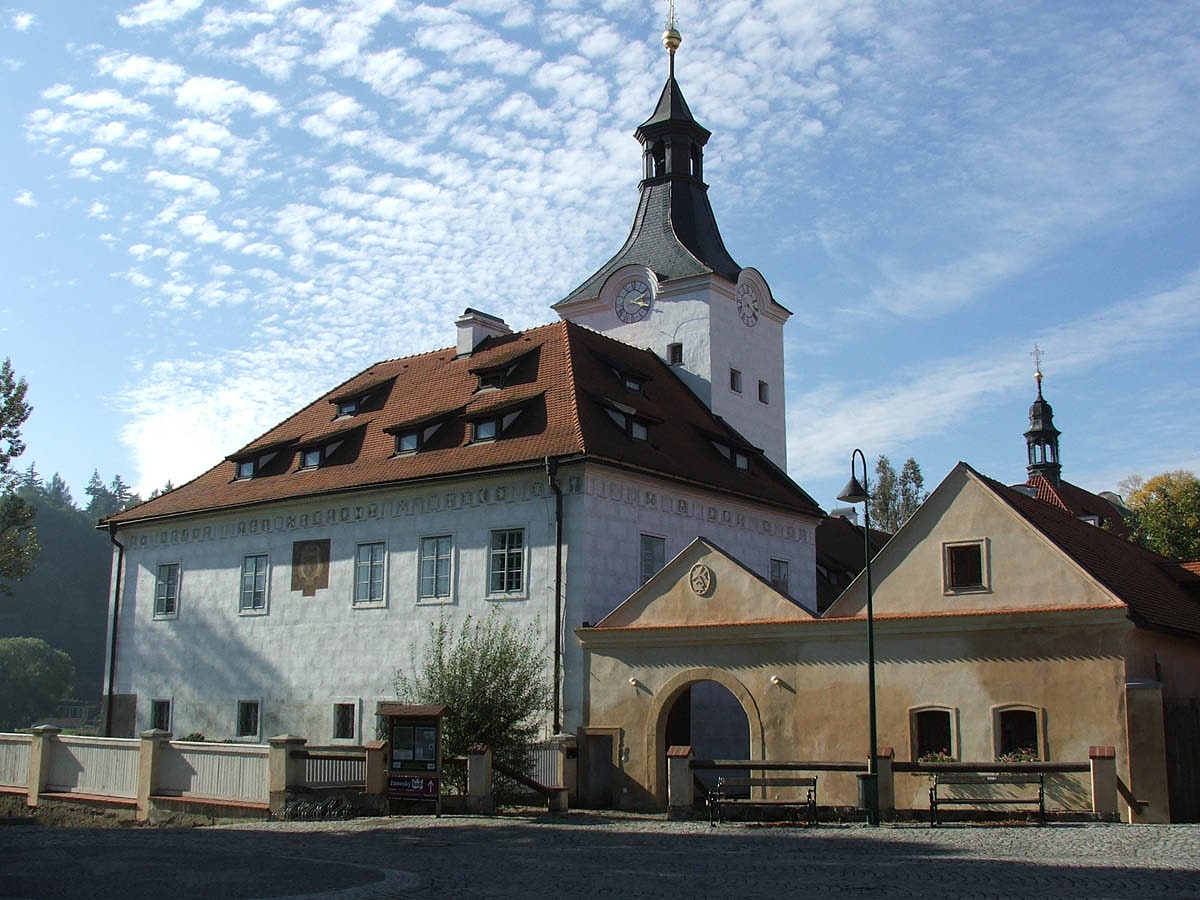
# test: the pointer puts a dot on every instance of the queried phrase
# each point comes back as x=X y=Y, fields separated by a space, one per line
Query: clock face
x=747 y=303
x=633 y=302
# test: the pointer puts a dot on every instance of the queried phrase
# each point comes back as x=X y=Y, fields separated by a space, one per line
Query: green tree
x=492 y=674
x=18 y=538
x=1166 y=513
x=895 y=498
x=34 y=678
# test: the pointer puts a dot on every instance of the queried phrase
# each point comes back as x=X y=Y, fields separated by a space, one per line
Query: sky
x=216 y=210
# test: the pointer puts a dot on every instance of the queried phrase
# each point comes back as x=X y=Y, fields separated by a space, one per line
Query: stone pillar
x=149 y=759
x=569 y=748
x=286 y=769
x=886 y=779
x=376 y=753
x=479 y=780
x=680 y=787
x=45 y=737
x=1104 y=781
x=1147 y=753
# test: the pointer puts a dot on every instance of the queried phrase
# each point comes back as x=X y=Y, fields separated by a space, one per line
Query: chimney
x=474 y=326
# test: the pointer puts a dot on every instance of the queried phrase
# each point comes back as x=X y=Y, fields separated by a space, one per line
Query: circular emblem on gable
x=701 y=578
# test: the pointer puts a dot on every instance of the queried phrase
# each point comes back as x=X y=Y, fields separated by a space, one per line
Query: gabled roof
x=841 y=555
x=1079 y=502
x=551 y=393
x=1134 y=575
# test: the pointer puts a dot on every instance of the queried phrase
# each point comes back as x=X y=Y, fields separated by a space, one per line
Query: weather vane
x=1037 y=366
x=671 y=38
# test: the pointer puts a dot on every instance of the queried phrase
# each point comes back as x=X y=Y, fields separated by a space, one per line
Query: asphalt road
x=596 y=856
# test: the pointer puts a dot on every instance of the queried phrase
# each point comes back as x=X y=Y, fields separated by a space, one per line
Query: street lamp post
x=856 y=492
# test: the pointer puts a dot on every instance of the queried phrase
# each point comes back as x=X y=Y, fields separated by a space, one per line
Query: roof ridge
x=568 y=329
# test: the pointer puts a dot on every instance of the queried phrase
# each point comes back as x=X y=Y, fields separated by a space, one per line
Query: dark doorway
x=598 y=759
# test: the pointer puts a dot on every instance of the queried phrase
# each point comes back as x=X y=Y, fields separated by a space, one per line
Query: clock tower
x=674 y=288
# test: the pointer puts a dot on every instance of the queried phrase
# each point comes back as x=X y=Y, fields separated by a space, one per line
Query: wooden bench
x=945 y=782
x=720 y=797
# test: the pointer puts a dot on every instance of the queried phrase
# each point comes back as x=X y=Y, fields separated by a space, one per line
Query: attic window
x=636 y=428
x=493 y=379
x=485 y=430
x=408 y=442
x=739 y=458
x=674 y=354
x=311 y=458
x=348 y=407
x=246 y=468
x=965 y=567
x=631 y=383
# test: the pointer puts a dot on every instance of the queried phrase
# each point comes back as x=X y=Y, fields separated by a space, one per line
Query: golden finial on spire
x=671 y=38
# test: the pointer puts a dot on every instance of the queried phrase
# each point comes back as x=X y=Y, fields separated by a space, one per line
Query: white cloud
x=153 y=73
x=85 y=159
x=219 y=97
x=25 y=198
x=23 y=21
x=97 y=210
x=157 y=12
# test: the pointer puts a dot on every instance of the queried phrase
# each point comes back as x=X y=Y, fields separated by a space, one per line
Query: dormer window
x=485 y=430
x=636 y=428
x=310 y=459
x=739 y=458
x=245 y=469
x=408 y=442
x=347 y=408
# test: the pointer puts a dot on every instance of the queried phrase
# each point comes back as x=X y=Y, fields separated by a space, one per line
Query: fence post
x=680 y=789
x=40 y=752
x=480 y=798
x=149 y=755
x=886 y=779
x=376 y=753
x=286 y=769
x=1104 y=781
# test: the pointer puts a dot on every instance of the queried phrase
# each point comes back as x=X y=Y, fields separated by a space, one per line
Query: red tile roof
x=1079 y=503
x=1136 y=576
x=562 y=378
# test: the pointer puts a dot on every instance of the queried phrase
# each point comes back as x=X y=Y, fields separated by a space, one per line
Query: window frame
x=773 y=578
x=160 y=612
x=675 y=354
x=507 y=553
x=916 y=751
x=401 y=436
x=248 y=736
x=382 y=563
x=735 y=380
x=253 y=610
x=1039 y=721
x=764 y=393
x=306 y=453
x=245 y=469
x=435 y=598
x=661 y=542
x=477 y=438
x=355 y=706
x=156 y=704
x=949 y=551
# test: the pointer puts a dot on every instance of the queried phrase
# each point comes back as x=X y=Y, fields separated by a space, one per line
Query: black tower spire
x=1042 y=437
x=674 y=232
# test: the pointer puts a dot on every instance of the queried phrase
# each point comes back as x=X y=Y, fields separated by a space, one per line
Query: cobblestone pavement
x=597 y=855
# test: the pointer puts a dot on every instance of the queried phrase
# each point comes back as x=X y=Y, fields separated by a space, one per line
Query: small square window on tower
x=764 y=392
x=675 y=354
x=735 y=380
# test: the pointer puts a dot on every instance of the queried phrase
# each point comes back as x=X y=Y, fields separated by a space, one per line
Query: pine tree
x=18 y=538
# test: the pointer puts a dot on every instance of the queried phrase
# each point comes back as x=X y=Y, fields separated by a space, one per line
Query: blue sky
x=215 y=210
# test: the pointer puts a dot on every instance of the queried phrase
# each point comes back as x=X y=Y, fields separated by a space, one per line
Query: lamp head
x=854 y=492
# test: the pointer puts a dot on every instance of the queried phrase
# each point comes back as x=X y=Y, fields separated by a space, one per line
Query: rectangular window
x=254 y=584
x=245 y=469
x=435 y=567
x=764 y=392
x=407 y=442
x=347 y=408
x=343 y=721
x=160 y=715
x=779 y=575
x=735 y=380
x=368 y=573
x=653 y=556
x=247 y=719
x=933 y=735
x=506 y=567
x=675 y=354
x=639 y=430
x=484 y=430
x=1018 y=735
x=310 y=459
x=166 y=591
x=964 y=567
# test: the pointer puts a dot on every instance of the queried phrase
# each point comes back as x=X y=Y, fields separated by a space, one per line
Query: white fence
x=335 y=767
x=545 y=764
x=215 y=771
x=105 y=767
x=14 y=759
